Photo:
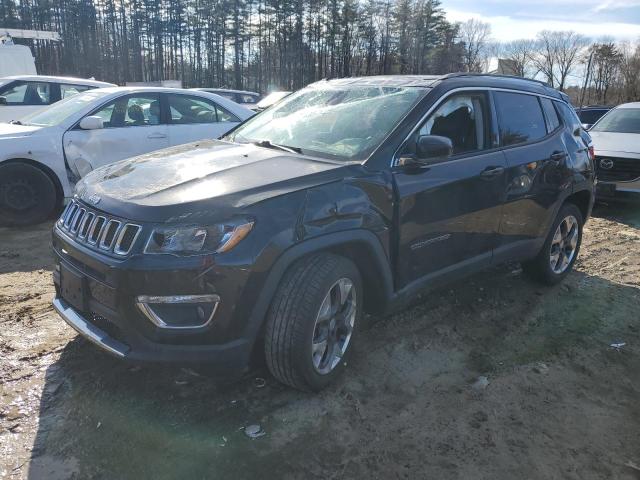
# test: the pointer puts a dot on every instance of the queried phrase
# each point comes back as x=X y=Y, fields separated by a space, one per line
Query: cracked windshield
x=338 y=123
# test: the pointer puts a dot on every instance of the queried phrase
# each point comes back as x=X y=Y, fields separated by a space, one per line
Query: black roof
x=459 y=79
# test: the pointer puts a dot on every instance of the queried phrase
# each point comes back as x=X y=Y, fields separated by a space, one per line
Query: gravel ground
x=494 y=377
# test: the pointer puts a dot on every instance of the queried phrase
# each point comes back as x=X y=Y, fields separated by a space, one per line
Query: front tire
x=27 y=195
x=312 y=321
x=560 y=249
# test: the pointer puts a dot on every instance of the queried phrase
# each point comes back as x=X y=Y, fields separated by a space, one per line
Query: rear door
x=537 y=171
x=132 y=126
x=193 y=118
x=449 y=212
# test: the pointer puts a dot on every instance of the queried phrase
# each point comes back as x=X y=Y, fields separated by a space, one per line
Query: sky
x=511 y=20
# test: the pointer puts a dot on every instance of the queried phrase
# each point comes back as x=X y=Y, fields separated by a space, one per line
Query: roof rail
x=513 y=77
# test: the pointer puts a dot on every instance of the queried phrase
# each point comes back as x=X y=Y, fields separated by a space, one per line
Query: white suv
x=26 y=94
x=616 y=141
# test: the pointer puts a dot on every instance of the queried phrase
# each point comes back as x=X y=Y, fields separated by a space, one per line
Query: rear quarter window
x=552 y=115
x=570 y=118
x=520 y=118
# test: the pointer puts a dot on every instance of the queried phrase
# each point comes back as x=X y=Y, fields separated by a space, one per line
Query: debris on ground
x=617 y=346
x=481 y=383
x=541 y=368
x=254 y=431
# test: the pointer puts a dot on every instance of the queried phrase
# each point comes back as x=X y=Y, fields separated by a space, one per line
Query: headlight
x=196 y=240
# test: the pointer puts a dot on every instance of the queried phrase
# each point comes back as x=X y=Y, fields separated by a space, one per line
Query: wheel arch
x=360 y=246
x=583 y=199
x=44 y=168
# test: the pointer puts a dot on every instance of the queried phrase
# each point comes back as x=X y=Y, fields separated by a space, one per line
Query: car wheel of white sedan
x=27 y=195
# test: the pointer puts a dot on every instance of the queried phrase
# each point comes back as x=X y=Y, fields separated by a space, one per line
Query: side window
x=464 y=120
x=187 y=110
x=225 y=115
x=552 y=115
x=570 y=118
x=70 y=90
x=520 y=118
x=27 y=93
x=133 y=111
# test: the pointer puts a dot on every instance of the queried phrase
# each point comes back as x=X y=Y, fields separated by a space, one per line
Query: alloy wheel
x=334 y=326
x=564 y=244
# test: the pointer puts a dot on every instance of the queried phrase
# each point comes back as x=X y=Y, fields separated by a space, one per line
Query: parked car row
x=348 y=196
x=26 y=94
x=43 y=155
x=62 y=128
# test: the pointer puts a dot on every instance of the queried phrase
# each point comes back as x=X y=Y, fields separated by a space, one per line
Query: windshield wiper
x=16 y=122
x=268 y=144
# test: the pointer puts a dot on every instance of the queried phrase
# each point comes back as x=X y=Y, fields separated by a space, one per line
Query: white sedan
x=42 y=156
x=25 y=94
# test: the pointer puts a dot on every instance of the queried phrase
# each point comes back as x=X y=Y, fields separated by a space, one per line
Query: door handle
x=156 y=135
x=491 y=172
x=558 y=156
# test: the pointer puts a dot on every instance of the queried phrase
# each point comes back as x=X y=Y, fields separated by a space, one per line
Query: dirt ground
x=560 y=401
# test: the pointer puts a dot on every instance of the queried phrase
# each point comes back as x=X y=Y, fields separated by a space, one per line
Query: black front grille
x=98 y=231
x=615 y=169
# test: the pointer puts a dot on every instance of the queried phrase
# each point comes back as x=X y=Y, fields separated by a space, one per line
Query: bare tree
x=558 y=55
x=475 y=36
x=629 y=72
x=520 y=53
x=604 y=71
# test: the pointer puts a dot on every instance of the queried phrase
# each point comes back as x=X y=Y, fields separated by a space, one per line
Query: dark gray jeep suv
x=349 y=196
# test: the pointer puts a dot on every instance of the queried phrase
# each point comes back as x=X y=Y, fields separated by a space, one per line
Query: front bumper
x=618 y=190
x=102 y=308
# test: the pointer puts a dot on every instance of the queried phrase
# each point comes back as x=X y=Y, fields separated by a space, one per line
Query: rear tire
x=560 y=249
x=27 y=195
x=312 y=321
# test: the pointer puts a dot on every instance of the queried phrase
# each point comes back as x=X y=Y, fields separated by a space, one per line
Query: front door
x=449 y=212
x=131 y=126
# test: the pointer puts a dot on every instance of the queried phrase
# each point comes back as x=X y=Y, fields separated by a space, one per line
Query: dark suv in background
x=591 y=114
x=349 y=196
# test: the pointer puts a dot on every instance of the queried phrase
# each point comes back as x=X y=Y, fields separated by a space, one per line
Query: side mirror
x=91 y=123
x=429 y=149
x=3 y=100
x=432 y=147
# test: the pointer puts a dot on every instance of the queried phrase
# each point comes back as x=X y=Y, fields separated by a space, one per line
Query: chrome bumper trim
x=88 y=330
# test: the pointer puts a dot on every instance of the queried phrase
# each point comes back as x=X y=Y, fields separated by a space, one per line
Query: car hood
x=190 y=179
x=11 y=130
x=615 y=142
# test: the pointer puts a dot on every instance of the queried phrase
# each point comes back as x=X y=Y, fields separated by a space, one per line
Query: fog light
x=178 y=312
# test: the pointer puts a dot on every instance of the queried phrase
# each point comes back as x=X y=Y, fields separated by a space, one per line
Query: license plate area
x=73 y=288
